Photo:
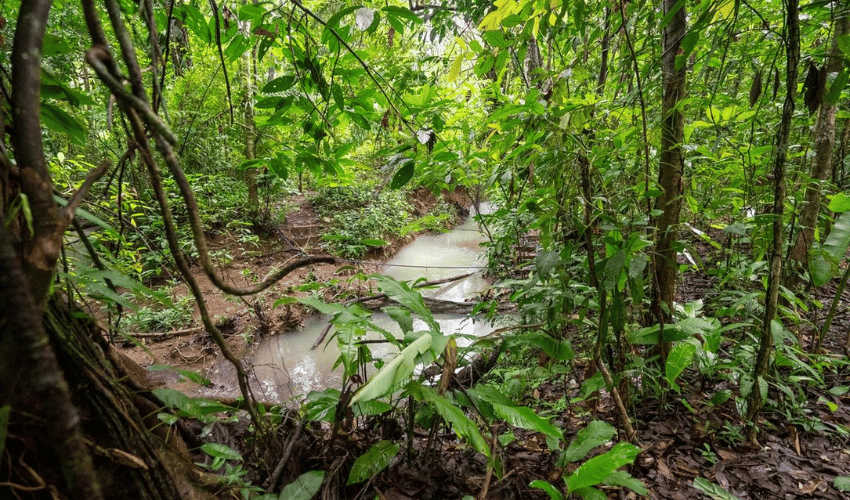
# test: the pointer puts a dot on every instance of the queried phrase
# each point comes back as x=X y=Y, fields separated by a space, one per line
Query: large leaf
x=58 y=120
x=218 y=450
x=623 y=478
x=678 y=360
x=461 y=424
x=590 y=493
x=825 y=264
x=409 y=298
x=524 y=417
x=404 y=174
x=713 y=490
x=598 y=468
x=304 y=487
x=395 y=373
x=553 y=492
x=595 y=434
x=369 y=464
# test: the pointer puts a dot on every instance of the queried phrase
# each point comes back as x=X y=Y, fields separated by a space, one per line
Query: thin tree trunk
x=251 y=131
x=792 y=36
x=670 y=170
x=821 y=169
x=606 y=42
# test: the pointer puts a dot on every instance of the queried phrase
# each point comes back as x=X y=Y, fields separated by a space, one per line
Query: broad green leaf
x=196 y=22
x=401 y=316
x=839 y=203
x=550 y=490
x=218 y=450
x=842 y=483
x=623 y=478
x=713 y=490
x=304 y=487
x=821 y=270
x=369 y=464
x=402 y=12
x=496 y=38
x=590 y=493
x=461 y=424
x=321 y=306
x=395 y=373
x=58 y=120
x=598 y=468
x=279 y=84
x=454 y=71
x=368 y=408
x=825 y=265
x=613 y=268
x=321 y=406
x=54 y=45
x=409 y=298
x=678 y=360
x=594 y=435
x=837 y=86
x=839 y=238
x=333 y=21
x=404 y=174
x=524 y=417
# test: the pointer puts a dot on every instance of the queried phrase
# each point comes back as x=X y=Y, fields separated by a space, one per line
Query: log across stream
x=285 y=365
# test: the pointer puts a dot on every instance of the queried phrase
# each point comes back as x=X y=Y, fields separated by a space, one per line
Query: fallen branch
x=173 y=333
x=383 y=296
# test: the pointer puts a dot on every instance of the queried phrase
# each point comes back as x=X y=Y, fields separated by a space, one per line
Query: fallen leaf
x=811 y=486
x=664 y=470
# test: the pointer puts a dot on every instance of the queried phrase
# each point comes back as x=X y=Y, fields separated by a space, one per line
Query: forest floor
x=684 y=439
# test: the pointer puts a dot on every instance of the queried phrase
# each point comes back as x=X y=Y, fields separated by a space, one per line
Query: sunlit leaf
x=598 y=468
x=395 y=373
x=524 y=417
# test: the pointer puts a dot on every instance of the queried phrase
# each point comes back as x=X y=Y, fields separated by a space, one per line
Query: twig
x=287 y=453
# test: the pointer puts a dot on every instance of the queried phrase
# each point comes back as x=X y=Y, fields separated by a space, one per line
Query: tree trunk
x=792 y=30
x=251 y=131
x=821 y=169
x=134 y=454
x=670 y=170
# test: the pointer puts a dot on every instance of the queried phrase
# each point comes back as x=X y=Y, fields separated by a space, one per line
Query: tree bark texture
x=41 y=249
x=251 y=130
x=670 y=171
x=824 y=143
x=792 y=37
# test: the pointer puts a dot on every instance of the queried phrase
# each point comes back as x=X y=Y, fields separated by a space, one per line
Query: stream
x=285 y=366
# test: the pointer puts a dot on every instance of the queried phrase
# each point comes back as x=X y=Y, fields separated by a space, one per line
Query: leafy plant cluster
x=358 y=219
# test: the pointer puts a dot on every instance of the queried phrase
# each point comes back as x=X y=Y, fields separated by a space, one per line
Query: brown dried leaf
x=814 y=88
x=664 y=470
x=775 y=83
x=811 y=486
x=755 y=89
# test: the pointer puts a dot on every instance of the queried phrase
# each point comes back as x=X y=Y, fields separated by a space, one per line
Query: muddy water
x=285 y=366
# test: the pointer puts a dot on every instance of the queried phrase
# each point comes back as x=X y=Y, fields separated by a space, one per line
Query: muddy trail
x=685 y=442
